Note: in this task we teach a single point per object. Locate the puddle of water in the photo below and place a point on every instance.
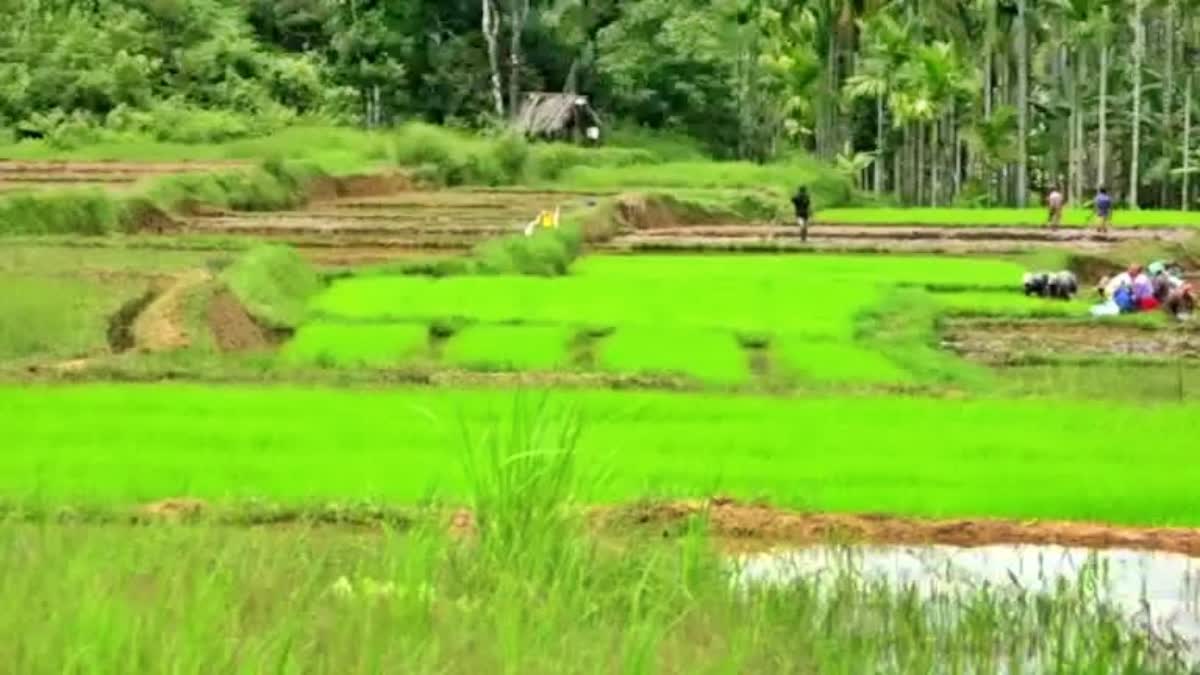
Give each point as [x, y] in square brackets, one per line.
[1160, 591]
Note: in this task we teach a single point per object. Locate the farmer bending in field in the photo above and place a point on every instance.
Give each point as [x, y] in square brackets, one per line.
[1055, 203]
[801, 203]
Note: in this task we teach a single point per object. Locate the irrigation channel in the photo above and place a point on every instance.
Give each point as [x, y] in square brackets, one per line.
[1156, 591]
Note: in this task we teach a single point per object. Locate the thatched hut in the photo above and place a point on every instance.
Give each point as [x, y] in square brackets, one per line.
[551, 115]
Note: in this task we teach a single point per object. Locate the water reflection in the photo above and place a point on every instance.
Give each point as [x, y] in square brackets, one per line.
[1159, 591]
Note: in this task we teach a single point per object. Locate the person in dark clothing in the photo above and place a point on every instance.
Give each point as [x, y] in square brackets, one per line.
[801, 203]
[1104, 208]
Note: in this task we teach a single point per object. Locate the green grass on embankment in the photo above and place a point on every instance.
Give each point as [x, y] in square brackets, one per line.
[111, 445]
[999, 217]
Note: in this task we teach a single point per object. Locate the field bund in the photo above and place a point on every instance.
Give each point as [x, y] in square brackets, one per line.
[118, 445]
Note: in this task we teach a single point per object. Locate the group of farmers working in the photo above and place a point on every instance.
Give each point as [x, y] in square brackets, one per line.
[1159, 285]
[1145, 289]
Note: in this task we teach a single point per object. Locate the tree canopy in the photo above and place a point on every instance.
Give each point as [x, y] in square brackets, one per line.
[975, 101]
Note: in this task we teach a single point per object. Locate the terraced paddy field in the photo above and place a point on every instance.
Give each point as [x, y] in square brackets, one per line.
[39, 175]
[834, 237]
[361, 230]
[740, 321]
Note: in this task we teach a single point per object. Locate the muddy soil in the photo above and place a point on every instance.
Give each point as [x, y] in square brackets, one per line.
[752, 526]
[293, 224]
[857, 238]
[44, 175]
[233, 329]
[740, 526]
[121, 336]
[357, 256]
[1009, 342]
[162, 325]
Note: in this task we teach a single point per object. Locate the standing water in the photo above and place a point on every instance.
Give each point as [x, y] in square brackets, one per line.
[1157, 591]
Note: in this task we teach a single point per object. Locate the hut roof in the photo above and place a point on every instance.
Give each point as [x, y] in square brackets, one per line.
[546, 113]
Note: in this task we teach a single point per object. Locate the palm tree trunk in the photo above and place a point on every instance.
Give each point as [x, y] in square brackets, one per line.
[491, 34]
[1072, 150]
[520, 13]
[1080, 151]
[897, 174]
[1187, 139]
[1022, 48]
[879, 140]
[1168, 98]
[920, 165]
[1102, 146]
[935, 157]
[956, 143]
[1139, 37]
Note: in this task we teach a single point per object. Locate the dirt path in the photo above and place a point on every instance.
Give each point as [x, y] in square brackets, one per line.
[162, 325]
[749, 526]
[1006, 342]
[736, 526]
[859, 238]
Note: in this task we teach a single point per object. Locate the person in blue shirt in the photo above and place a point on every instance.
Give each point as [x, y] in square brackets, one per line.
[1104, 207]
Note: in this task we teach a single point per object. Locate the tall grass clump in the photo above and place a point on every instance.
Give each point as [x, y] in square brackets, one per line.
[522, 476]
[547, 252]
[274, 185]
[274, 283]
[80, 211]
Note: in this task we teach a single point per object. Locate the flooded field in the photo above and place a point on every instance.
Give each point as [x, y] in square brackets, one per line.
[1155, 591]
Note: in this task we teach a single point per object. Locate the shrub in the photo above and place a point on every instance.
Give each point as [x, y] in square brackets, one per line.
[87, 212]
[550, 161]
[545, 253]
[274, 283]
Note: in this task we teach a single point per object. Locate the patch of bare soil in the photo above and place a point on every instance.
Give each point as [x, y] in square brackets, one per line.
[233, 329]
[1007, 342]
[355, 256]
[372, 185]
[457, 378]
[335, 224]
[736, 526]
[162, 325]
[932, 239]
[747, 526]
[174, 509]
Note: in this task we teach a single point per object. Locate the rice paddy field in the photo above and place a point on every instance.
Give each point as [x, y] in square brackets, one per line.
[380, 430]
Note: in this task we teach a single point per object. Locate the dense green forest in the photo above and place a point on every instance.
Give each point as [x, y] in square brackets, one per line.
[935, 102]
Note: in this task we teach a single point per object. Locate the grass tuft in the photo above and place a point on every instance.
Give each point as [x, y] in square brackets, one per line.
[274, 283]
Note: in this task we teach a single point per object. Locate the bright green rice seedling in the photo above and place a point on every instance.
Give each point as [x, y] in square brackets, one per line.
[707, 355]
[914, 456]
[835, 362]
[333, 344]
[1009, 304]
[507, 348]
[817, 301]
